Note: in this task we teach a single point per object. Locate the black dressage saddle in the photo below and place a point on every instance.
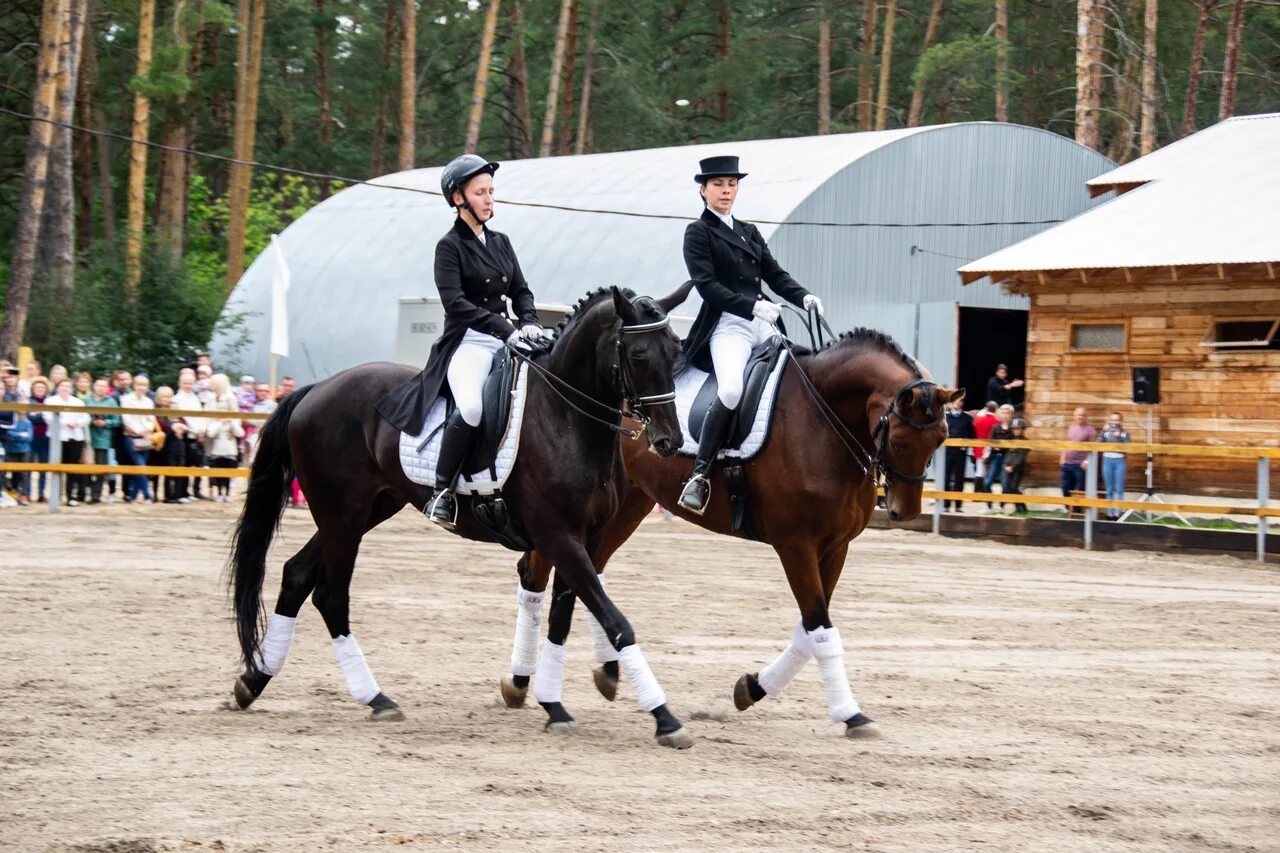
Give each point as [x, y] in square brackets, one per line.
[759, 366]
[497, 411]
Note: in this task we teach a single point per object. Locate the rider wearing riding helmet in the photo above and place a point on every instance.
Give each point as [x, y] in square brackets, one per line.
[476, 270]
[727, 259]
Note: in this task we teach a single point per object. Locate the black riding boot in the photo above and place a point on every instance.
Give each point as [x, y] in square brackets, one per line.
[714, 431]
[453, 449]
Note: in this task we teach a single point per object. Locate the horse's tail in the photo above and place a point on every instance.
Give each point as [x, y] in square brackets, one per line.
[269, 481]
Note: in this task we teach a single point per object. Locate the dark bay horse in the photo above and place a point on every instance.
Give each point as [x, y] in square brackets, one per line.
[566, 484]
[857, 411]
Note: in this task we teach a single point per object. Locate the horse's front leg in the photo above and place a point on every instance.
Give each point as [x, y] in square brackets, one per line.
[575, 569]
[812, 580]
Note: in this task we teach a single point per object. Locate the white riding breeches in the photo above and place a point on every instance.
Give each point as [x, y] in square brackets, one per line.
[731, 345]
[468, 368]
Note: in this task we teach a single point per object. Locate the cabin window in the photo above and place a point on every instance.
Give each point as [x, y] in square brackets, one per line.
[1098, 337]
[1244, 333]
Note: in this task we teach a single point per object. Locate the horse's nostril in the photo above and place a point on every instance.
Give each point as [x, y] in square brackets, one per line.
[893, 515]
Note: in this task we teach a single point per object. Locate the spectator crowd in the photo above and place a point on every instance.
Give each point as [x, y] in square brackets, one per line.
[131, 438]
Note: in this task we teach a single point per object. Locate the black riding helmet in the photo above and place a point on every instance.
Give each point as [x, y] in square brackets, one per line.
[460, 170]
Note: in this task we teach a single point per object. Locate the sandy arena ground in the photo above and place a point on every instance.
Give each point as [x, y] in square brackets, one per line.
[1032, 699]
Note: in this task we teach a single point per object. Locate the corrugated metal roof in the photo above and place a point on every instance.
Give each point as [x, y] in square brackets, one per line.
[1240, 143]
[1208, 199]
[355, 255]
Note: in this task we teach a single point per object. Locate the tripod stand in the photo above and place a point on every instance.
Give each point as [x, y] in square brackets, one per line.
[1150, 496]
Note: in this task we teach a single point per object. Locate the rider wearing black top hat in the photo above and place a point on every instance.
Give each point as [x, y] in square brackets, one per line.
[727, 260]
[475, 271]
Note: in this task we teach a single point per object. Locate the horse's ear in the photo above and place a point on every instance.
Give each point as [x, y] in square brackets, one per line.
[673, 300]
[955, 394]
[623, 308]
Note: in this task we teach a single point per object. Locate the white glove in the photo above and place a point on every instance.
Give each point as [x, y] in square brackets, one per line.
[812, 301]
[531, 332]
[766, 310]
[516, 339]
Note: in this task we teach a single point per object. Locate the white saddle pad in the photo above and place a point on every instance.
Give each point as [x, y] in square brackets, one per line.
[690, 382]
[420, 465]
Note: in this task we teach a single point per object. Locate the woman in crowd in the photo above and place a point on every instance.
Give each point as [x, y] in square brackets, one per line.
[102, 429]
[39, 435]
[73, 428]
[222, 435]
[136, 443]
[1113, 462]
[83, 385]
[57, 373]
[171, 450]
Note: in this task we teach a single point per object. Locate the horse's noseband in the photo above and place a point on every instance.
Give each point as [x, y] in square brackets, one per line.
[636, 402]
[880, 436]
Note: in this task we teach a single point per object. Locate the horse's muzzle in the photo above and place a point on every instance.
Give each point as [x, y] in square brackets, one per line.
[665, 446]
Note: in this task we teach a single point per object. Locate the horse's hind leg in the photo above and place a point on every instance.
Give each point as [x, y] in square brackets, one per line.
[300, 574]
[534, 572]
[332, 597]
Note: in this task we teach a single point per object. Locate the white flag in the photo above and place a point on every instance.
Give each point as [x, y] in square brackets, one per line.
[279, 311]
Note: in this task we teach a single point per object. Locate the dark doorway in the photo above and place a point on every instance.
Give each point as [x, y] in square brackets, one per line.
[990, 336]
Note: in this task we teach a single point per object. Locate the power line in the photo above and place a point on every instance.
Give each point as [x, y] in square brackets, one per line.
[288, 170]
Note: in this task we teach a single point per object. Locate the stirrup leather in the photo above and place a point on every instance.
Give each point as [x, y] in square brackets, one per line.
[696, 494]
[444, 509]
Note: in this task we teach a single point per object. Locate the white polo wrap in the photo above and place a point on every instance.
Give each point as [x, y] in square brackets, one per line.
[355, 670]
[524, 651]
[648, 692]
[829, 651]
[275, 645]
[549, 680]
[775, 677]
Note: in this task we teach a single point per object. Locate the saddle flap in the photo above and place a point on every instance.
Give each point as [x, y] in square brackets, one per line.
[497, 411]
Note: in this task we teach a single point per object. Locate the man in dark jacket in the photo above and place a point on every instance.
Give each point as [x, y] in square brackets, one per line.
[959, 425]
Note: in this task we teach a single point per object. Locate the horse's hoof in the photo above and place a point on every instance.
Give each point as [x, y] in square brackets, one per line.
[605, 683]
[244, 695]
[679, 739]
[386, 715]
[512, 696]
[742, 692]
[861, 726]
[562, 727]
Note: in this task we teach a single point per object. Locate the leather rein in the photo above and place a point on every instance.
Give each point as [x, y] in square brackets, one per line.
[610, 416]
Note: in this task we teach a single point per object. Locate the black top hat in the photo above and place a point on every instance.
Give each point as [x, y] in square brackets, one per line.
[718, 167]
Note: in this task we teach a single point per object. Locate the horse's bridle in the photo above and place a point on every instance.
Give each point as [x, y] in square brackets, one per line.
[635, 402]
[880, 435]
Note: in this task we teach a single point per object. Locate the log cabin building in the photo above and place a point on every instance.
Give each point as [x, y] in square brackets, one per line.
[1180, 271]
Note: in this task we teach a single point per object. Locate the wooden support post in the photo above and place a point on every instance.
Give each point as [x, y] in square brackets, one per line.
[1128, 275]
[1264, 494]
[1090, 492]
[1040, 277]
[1271, 271]
[1173, 271]
[55, 458]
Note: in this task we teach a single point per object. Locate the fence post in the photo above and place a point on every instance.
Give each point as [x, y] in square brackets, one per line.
[55, 458]
[1090, 491]
[1264, 494]
[940, 483]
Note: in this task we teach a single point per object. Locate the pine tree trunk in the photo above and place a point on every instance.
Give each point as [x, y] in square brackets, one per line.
[82, 142]
[1088, 72]
[1147, 138]
[482, 76]
[568, 88]
[588, 66]
[1128, 102]
[519, 121]
[824, 68]
[1002, 60]
[724, 42]
[553, 86]
[138, 151]
[378, 164]
[253, 13]
[886, 62]
[867, 52]
[408, 82]
[53, 24]
[1230, 76]
[221, 119]
[930, 33]
[1193, 75]
[58, 233]
[324, 37]
[173, 177]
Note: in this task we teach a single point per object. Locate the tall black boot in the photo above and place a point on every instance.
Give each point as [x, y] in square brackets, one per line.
[714, 430]
[453, 450]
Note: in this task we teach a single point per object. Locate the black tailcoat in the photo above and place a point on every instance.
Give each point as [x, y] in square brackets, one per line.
[727, 266]
[472, 278]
